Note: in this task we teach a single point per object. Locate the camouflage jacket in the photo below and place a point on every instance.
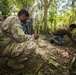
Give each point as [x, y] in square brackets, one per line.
[14, 37]
[12, 25]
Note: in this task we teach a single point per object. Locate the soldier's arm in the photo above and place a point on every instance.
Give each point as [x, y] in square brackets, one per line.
[18, 36]
[71, 37]
[6, 25]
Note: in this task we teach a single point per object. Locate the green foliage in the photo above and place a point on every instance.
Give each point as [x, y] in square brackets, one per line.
[51, 64]
[4, 7]
[58, 12]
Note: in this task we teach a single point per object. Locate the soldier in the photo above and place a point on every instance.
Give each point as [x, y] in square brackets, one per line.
[3, 18]
[15, 43]
[27, 27]
[58, 35]
[0, 22]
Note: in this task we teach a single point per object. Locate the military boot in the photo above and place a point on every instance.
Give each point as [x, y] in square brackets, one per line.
[15, 65]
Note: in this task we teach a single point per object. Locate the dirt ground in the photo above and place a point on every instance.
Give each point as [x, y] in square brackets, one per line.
[53, 60]
[71, 49]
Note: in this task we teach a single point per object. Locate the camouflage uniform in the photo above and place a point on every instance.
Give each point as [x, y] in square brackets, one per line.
[14, 42]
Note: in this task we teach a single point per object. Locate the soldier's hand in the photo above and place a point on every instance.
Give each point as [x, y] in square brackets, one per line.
[36, 36]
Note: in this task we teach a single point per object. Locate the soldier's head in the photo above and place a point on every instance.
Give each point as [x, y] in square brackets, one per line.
[23, 15]
[72, 26]
[3, 18]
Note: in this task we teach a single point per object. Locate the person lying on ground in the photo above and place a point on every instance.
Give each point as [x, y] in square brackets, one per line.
[58, 35]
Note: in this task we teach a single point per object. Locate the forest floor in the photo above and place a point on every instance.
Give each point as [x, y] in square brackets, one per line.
[54, 60]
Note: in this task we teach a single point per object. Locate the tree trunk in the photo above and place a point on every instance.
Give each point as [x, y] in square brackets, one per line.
[45, 15]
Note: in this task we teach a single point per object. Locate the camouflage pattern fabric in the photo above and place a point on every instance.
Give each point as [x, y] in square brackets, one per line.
[14, 40]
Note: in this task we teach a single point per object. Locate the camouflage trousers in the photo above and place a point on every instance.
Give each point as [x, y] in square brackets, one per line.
[18, 51]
